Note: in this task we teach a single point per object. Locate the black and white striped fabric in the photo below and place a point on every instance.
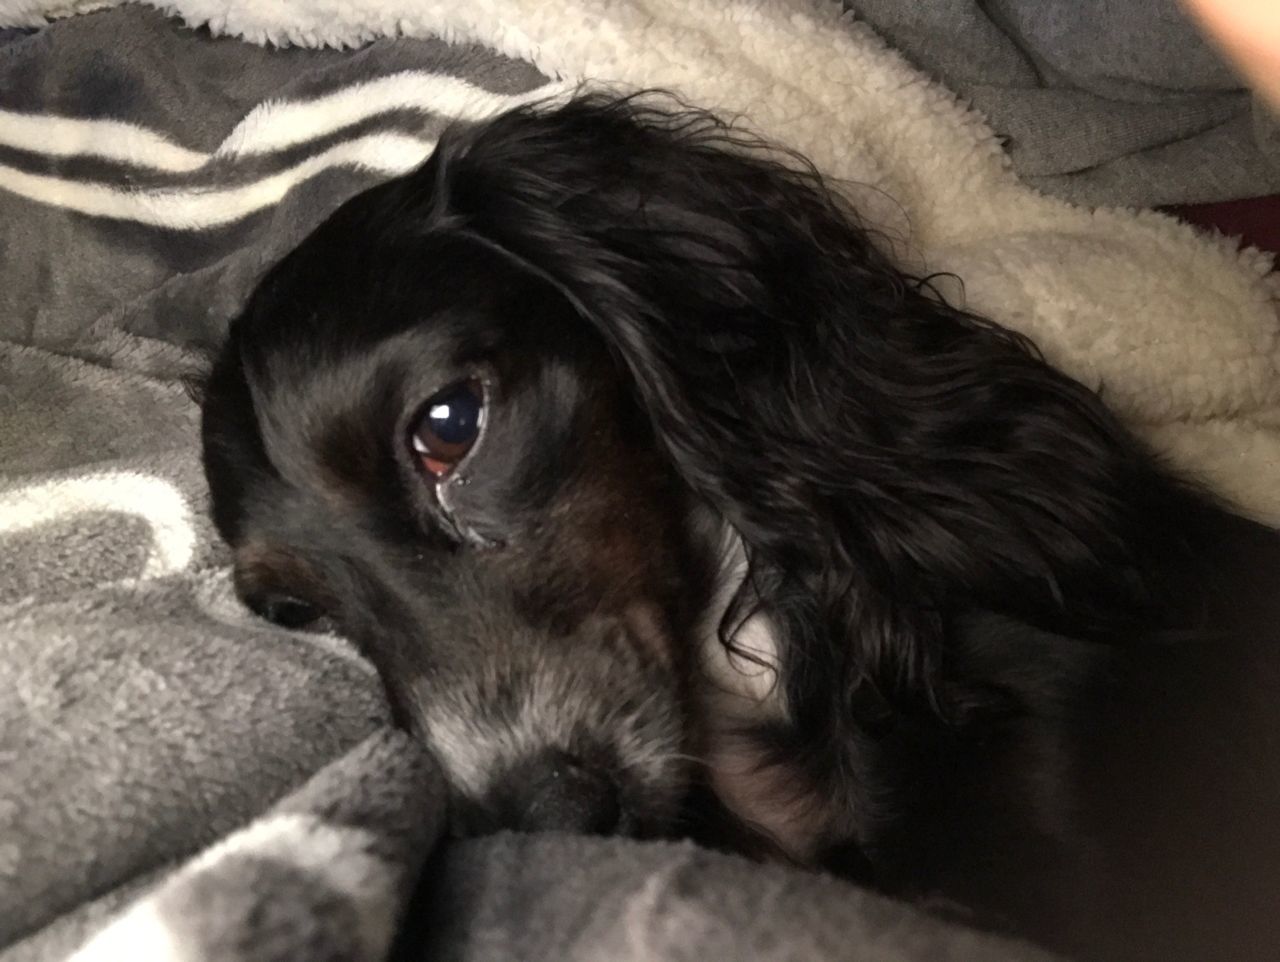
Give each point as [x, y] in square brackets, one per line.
[200, 158]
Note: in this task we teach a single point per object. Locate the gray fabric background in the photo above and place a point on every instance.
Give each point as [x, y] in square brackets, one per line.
[1101, 102]
[503, 900]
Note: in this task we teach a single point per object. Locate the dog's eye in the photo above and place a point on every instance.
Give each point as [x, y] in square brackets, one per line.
[449, 425]
[289, 612]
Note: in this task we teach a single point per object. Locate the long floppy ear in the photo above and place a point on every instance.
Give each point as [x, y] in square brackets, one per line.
[887, 459]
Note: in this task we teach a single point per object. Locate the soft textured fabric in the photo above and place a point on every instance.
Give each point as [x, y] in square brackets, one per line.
[150, 173]
[1119, 102]
[323, 875]
[512, 898]
[143, 712]
[1110, 102]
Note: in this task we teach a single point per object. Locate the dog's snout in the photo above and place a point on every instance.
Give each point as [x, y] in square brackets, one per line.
[579, 733]
[563, 794]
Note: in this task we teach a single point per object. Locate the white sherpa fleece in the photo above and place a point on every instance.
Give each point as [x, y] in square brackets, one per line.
[1181, 329]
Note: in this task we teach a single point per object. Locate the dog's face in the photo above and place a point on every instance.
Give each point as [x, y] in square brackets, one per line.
[419, 441]
[492, 419]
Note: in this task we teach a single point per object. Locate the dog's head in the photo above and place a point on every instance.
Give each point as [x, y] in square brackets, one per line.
[413, 437]
[481, 417]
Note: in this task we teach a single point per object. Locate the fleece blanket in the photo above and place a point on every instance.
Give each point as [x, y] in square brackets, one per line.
[149, 172]
[1119, 102]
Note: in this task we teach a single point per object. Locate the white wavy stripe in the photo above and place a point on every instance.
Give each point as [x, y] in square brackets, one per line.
[197, 209]
[271, 126]
[157, 501]
[275, 125]
[109, 139]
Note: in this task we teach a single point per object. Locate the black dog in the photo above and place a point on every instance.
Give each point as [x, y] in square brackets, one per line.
[636, 467]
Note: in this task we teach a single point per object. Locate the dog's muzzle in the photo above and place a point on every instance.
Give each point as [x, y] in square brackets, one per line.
[581, 733]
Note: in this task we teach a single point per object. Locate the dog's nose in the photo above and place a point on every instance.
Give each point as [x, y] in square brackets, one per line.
[563, 795]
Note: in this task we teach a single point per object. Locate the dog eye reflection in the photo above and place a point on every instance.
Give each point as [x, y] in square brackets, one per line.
[449, 426]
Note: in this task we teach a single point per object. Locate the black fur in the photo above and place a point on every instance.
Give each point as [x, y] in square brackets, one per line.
[958, 546]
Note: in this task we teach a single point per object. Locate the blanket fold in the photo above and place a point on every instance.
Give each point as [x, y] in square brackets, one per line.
[346, 848]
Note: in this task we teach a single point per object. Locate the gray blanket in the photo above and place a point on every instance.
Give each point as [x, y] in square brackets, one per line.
[144, 715]
[1097, 101]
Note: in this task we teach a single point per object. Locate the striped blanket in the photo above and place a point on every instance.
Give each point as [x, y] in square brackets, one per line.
[181, 781]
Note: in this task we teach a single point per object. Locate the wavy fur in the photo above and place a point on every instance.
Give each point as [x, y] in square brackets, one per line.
[888, 459]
